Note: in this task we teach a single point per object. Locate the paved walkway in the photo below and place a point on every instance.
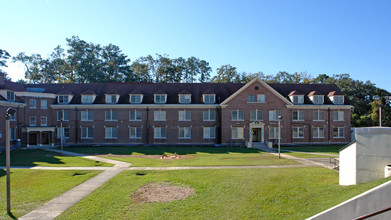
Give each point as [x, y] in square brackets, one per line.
[56, 206]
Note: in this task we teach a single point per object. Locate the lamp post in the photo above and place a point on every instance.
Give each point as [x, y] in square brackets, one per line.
[279, 135]
[377, 98]
[10, 112]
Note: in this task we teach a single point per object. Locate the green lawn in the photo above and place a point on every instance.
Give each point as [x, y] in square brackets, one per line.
[305, 155]
[286, 193]
[194, 156]
[36, 157]
[32, 188]
[326, 149]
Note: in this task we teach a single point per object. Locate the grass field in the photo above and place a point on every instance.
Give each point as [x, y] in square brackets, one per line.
[327, 149]
[305, 155]
[193, 156]
[36, 157]
[32, 188]
[283, 193]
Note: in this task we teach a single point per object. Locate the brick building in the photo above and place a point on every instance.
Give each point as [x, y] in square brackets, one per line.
[174, 113]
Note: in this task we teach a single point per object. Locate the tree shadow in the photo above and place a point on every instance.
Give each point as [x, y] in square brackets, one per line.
[30, 157]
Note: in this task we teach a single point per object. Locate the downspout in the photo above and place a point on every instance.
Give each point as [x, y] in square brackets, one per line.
[76, 126]
[147, 125]
[329, 123]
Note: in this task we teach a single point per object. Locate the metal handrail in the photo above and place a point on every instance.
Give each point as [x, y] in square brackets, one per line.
[373, 213]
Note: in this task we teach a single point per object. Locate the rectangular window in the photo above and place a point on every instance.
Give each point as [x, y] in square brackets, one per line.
[298, 132]
[65, 132]
[318, 132]
[160, 99]
[256, 115]
[338, 100]
[184, 99]
[338, 116]
[62, 115]
[111, 132]
[237, 115]
[111, 99]
[273, 132]
[260, 98]
[33, 120]
[298, 99]
[135, 132]
[184, 115]
[86, 133]
[12, 133]
[63, 99]
[298, 115]
[209, 99]
[86, 99]
[318, 115]
[135, 99]
[339, 132]
[135, 115]
[273, 115]
[10, 96]
[33, 103]
[209, 115]
[159, 115]
[111, 115]
[87, 115]
[160, 132]
[44, 104]
[184, 132]
[209, 132]
[318, 99]
[44, 121]
[237, 132]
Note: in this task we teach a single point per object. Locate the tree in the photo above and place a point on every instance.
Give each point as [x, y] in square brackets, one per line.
[4, 56]
[226, 74]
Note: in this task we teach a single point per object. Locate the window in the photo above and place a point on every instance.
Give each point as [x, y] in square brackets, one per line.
[339, 132]
[184, 132]
[63, 99]
[209, 115]
[160, 99]
[62, 115]
[273, 133]
[87, 115]
[184, 115]
[136, 99]
[260, 98]
[338, 116]
[237, 115]
[159, 132]
[111, 115]
[65, 132]
[135, 115]
[110, 132]
[44, 104]
[298, 99]
[12, 133]
[297, 115]
[135, 132]
[318, 115]
[159, 115]
[86, 99]
[338, 100]
[209, 99]
[33, 103]
[256, 115]
[10, 96]
[33, 120]
[111, 99]
[86, 133]
[273, 115]
[318, 99]
[44, 121]
[209, 132]
[237, 133]
[298, 132]
[318, 132]
[185, 99]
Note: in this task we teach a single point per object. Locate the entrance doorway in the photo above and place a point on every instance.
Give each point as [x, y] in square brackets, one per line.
[257, 134]
[45, 138]
[33, 138]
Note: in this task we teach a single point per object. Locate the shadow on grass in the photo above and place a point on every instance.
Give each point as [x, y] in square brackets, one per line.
[159, 150]
[29, 157]
[316, 148]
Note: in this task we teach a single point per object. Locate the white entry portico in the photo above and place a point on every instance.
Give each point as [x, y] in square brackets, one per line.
[256, 133]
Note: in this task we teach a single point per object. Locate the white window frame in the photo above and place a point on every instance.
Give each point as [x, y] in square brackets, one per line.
[339, 131]
[209, 132]
[273, 132]
[184, 115]
[133, 99]
[338, 99]
[137, 131]
[273, 115]
[87, 115]
[297, 115]
[10, 96]
[87, 99]
[44, 106]
[298, 132]
[157, 133]
[111, 114]
[137, 115]
[88, 131]
[62, 112]
[45, 119]
[318, 132]
[184, 132]
[65, 132]
[258, 115]
[338, 116]
[318, 99]
[209, 115]
[110, 134]
[237, 133]
[34, 118]
[159, 115]
[209, 98]
[256, 98]
[160, 98]
[184, 98]
[235, 115]
[317, 115]
[33, 103]
[63, 99]
[109, 99]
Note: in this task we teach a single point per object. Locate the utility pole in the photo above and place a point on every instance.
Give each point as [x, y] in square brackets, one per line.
[10, 111]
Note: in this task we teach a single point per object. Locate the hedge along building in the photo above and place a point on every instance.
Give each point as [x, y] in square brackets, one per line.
[175, 113]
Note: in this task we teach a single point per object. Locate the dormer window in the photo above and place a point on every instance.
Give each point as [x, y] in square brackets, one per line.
[111, 99]
[63, 99]
[87, 99]
[136, 99]
[318, 99]
[184, 99]
[10, 96]
[297, 99]
[160, 98]
[209, 98]
[338, 99]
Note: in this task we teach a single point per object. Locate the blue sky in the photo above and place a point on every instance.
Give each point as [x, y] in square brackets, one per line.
[314, 36]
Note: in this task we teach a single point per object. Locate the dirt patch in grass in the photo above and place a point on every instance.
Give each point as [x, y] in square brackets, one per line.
[161, 192]
[179, 157]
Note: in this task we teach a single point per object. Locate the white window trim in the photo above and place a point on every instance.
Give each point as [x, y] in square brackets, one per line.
[136, 137]
[184, 132]
[63, 114]
[154, 133]
[300, 99]
[35, 124]
[274, 112]
[208, 112]
[63, 103]
[212, 95]
[338, 132]
[111, 133]
[31, 106]
[111, 115]
[298, 115]
[184, 97]
[317, 96]
[338, 116]
[81, 132]
[208, 129]
[318, 113]
[237, 113]
[108, 98]
[40, 121]
[298, 133]
[256, 114]
[165, 98]
[42, 106]
[85, 96]
[160, 115]
[135, 114]
[237, 138]
[81, 115]
[141, 98]
[184, 115]
[318, 137]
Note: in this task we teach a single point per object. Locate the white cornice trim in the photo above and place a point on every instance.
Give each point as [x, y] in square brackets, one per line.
[319, 106]
[134, 106]
[36, 94]
[12, 104]
[263, 84]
